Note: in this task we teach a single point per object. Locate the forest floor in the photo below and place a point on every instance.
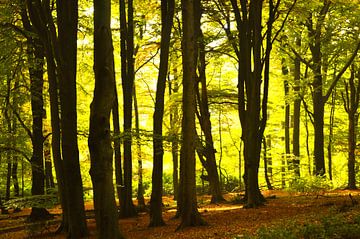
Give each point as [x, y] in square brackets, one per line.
[225, 220]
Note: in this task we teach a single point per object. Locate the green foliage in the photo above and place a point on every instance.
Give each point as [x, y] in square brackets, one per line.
[42, 201]
[329, 227]
[310, 184]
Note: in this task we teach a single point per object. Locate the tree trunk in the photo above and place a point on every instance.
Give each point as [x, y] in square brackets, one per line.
[189, 213]
[351, 99]
[285, 159]
[265, 157]
[101, 152]
[36, 51]
[204, 115]
[331, 134]
[49, 179]
[117, 149]
[296, 113]
[67, 19]
[167, 14]
[140, 189]
[127, 209]
[174, 121]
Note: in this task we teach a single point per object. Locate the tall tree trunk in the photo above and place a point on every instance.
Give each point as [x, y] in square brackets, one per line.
[117, 149]
[204, 114]
[36, 52]
[265, 158]
[167, 14]
[296, 113]
[285, 159]
[331, 134]
[189, 213]
[67, 19]
[174, 121]
[127, 209]
[49, 179]
[351, 99]
[101, 152]
[140, 190]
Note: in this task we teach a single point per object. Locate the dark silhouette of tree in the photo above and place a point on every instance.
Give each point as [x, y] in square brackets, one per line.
[351, 99]
[167, 15]
[101, 152]
[127, 208]
[188, 211]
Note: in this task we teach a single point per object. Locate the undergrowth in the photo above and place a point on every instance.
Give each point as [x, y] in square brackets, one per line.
[333, 226]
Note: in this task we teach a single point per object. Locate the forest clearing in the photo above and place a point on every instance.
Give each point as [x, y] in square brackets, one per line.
[227, 220]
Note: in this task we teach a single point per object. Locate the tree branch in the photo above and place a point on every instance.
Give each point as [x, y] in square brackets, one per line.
[348, 63]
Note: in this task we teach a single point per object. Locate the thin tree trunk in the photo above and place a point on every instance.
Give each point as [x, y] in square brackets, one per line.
[174, 120]
[140, 189]
[296, 110]
[117, 149]
[265, 158]
[167, 14]
[203, 115]
[331, 134]
[127, 209]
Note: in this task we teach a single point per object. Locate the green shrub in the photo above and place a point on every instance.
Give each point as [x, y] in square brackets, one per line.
[311, 184]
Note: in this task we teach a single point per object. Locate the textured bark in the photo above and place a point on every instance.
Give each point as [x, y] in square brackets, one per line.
[167, 14]
[101, 152]
[190, 216]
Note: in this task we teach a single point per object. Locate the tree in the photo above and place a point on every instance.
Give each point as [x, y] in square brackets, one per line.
[101, 152]
[60, 50]
[35, 53]
[351, 99]
[321, 44]
[205, 150]
[167, 15]
[127, 208]
[67, 21]
[190, 216]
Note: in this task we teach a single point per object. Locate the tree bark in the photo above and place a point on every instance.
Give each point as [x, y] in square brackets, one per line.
[167, 14]
[101, 152]
[189, 213]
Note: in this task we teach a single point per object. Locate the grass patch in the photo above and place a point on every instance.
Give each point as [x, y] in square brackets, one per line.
[332, 226]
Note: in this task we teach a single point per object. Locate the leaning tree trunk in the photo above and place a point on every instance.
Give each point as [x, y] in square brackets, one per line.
[101, 152]
[203, 115]
[167, 14]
